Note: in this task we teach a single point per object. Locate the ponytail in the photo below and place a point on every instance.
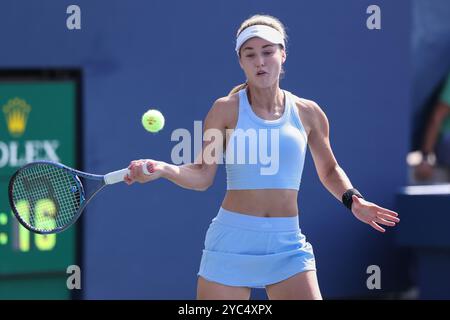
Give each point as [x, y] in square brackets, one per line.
[238, 88]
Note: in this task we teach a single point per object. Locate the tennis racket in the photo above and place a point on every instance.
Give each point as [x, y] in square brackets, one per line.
[48, 197]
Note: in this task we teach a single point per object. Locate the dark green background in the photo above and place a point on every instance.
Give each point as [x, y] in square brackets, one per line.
[38, 274]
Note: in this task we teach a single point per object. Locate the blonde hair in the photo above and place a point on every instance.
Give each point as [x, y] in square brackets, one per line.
[259, 19]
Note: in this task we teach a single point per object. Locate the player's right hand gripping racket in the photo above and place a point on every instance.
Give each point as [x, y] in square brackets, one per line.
[48, 197]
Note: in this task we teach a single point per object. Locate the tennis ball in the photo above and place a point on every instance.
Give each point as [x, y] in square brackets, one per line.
[153, 120]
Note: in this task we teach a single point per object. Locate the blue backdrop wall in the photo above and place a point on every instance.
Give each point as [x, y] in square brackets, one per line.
[145, 241]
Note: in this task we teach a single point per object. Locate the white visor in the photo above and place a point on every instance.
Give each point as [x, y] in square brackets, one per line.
[261, 31]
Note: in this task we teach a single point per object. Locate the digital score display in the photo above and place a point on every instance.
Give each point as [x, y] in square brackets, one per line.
[38, 121]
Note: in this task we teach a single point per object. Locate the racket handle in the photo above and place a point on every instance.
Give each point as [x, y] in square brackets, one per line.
[119, 175]
[116, 176]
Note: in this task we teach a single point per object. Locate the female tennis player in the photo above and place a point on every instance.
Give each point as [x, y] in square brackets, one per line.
[255, 240]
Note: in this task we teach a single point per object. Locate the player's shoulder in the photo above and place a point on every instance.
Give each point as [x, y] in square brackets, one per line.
[227, 101]
[305, 104]
[224, 110]
[226, 106]
[308, 108]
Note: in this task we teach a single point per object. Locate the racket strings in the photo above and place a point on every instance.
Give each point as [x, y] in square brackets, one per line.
[46, 197]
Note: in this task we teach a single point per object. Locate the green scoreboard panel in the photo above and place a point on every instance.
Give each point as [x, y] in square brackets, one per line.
[38, 121]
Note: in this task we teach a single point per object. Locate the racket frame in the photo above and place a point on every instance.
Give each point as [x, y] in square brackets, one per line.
[83, 200]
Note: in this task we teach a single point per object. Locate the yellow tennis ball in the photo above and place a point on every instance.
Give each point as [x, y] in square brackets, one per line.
[153, 120]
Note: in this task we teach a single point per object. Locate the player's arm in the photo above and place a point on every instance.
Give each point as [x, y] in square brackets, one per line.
[196, 176]
[334, 178]
[330, 173]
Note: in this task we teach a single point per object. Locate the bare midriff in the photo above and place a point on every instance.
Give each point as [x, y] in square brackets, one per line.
[262, 202]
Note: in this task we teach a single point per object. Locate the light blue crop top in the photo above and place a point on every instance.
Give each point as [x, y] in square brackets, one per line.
[266, 154]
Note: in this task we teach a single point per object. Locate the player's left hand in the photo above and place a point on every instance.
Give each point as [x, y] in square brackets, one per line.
[373, 214]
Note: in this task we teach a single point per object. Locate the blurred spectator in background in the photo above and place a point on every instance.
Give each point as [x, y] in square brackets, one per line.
[435, 149]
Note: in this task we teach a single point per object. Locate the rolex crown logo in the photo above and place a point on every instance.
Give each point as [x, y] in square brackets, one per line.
[16, 112]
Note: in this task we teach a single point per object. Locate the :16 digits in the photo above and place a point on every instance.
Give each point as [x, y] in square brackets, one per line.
[43, 242]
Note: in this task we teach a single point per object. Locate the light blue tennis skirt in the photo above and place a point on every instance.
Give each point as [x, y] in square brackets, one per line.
[249, 251]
